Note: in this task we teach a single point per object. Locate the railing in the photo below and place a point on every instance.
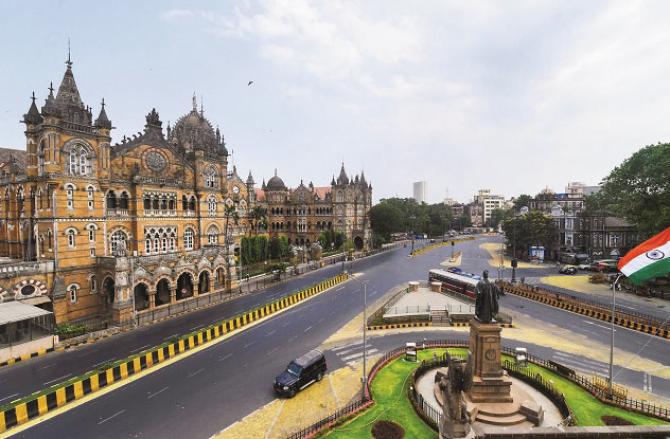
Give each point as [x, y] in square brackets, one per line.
[12, 268]
[110, 211]
[542, 293]
[432, 415]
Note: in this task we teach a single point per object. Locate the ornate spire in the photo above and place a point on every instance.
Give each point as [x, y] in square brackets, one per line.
[332, 183]
[342, 179]
[33, 116]
[263, 185]
[195, 103]
[362, 177]
[202, 106]
[250, 179]
[103, 121]
[68, 62]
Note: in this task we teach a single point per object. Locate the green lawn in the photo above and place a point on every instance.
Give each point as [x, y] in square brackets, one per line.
[586, 408]
[389, 390]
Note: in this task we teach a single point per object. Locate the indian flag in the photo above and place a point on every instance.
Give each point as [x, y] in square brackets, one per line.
[648, 260]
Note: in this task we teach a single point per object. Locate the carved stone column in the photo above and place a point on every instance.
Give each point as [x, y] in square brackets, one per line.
[490, 382]
[122, 309]
[173, 295]
[152, 299]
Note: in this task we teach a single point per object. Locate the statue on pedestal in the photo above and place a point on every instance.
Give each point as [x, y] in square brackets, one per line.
[455, 422]
[486, 303]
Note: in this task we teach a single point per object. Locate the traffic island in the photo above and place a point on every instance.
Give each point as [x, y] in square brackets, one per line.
[396, 396]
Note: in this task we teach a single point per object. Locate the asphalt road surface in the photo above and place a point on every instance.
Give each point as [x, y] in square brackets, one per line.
[202, 394]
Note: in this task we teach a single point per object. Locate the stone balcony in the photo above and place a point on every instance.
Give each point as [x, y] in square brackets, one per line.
[13, 267]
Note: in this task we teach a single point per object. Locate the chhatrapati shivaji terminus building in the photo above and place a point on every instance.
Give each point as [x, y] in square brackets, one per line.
[101, 232]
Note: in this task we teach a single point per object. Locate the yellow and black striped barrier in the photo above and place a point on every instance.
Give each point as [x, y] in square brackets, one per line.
[550, 298]
[423, 324]
[39, 403]
[438, 245]
[25, 357]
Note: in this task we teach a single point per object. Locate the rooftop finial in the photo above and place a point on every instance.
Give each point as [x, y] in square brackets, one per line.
[69, 61]
[33, 96]
[51, 88]
[103, 103]
[202, 106]
[195, 103]
[275, 172]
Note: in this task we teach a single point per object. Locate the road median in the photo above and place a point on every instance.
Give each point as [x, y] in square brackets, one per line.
[40, 403]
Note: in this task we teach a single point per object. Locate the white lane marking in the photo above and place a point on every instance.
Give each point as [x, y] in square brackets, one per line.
[629, 307]
[103, 361]
[571, 357]
[586, 368]
[346, 346]
[272, 351]
[308, 328]
[91, 351]
[159, 392]
[225, 357]
[339, 289]
[286, 324]
[170, 336]
[112, 417]
[46, 367]
[140, 348]
[320, 320]
[249, 344]
[352, 356]
[270, 333]
[197, 327]
[57, 379]
[10, 396]
[192, 374]
[600, 326]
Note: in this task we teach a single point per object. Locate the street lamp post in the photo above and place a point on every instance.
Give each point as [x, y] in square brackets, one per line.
[412, 218]
[611, 380]
[365, 345]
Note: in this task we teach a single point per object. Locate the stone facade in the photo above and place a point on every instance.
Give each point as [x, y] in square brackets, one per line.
[98, 231]
[303, 213]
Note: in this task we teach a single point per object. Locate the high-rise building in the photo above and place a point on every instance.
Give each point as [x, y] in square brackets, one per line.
[420, 191]
[484, 204]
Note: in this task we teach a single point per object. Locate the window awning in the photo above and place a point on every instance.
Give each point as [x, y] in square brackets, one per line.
[16, 311]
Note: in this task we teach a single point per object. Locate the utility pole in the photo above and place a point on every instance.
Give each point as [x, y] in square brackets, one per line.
[611, 381]
[365, 350]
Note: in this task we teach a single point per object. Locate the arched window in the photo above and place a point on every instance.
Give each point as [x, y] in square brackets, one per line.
[91, 234]
[173, 241]
[93, 284]
[72, 291]
[124, 201]
[69, 193]
[212, 235]
[189, 236]
[147, 202]
[115, 239]
[70, 237]
[89, 194]
[111, 200]
[211, 204]
[184, 203]
[79, 162]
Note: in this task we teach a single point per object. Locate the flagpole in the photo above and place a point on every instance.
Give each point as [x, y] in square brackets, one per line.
[614, 284]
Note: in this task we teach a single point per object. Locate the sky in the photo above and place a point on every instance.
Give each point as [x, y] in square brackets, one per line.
[512, 96]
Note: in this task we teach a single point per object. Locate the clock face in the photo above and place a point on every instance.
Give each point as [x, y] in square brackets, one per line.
[155, 161]
[236, 190]
[490, 354]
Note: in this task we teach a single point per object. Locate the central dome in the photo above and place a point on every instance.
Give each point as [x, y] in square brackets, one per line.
[276, 183]
[193, 131]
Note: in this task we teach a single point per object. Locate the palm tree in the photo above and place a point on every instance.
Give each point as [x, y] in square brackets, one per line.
[258, 219]
[229, 212]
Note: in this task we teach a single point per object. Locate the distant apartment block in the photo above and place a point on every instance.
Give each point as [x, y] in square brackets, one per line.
[420, 191]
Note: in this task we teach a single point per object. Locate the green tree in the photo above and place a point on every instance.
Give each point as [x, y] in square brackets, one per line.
[339, 240]
[638, 190]
[498, 215]
[533, 228]
[257, 219]
[521, 201]
[385, 219]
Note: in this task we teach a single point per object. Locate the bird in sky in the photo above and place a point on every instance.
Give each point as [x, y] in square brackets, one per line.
[250, 82]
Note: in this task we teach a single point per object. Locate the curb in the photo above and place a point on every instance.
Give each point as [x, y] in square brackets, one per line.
[438, 245]
[25, 357]
[41, 402]
[587, 310]
[425, 324]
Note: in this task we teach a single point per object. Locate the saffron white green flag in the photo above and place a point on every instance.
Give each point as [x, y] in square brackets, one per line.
[648, 260]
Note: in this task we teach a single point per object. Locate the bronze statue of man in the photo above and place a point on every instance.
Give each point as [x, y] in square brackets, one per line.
[486, 303]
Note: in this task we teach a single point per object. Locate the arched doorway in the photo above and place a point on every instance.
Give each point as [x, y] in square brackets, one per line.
[184, 286]
[203, 282]
[162, 292]
[108, 290]
[358, 242]
[141, 292]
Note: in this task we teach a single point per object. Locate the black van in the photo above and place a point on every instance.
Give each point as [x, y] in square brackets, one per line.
[300, 373]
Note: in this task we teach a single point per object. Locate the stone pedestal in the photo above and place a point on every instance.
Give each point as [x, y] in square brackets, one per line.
[490, 383]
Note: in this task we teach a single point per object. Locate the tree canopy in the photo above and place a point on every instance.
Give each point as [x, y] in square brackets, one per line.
[533, 228]
[401, 215]
[639, 190]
